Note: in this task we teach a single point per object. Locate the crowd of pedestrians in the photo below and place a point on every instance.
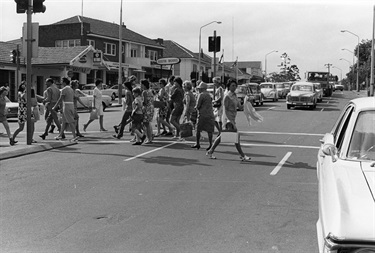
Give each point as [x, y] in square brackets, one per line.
[176, 102]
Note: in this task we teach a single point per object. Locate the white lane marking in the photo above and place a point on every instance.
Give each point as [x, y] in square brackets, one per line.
[281, 163]
[274, 146]
[250, 132]
[271, 108]
[148, 152]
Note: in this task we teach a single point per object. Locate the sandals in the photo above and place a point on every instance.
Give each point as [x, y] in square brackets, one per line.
[210, 155]
[245, 158]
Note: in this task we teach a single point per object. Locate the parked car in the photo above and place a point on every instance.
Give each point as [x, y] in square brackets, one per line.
[256, 93]
[281, 92]
[111, 92]
[242, 91]
[11, 108]
[88, 100]
[338, 86]
[269, 91]
[319, 92]
[346, 181]
[302, 94]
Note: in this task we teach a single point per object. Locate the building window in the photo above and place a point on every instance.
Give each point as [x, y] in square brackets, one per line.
[67, 43]
[109, 49]
[133, 52]
[153, 55]
[91, 43]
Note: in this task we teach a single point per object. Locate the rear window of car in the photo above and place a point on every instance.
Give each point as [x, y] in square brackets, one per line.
[302, 87]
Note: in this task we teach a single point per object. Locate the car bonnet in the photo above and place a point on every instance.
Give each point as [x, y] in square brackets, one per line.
[355, 215]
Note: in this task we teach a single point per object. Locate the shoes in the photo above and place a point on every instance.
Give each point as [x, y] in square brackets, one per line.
[175, 137]
[11, 141]
[43, 136]
[245, 158]
[63, 136]
[80, 135]
[210, 155]
[143, 138]
[133, 140]
[148, 142]
[137, 143]
[116, 129]
[169, 134]
[164, 133]
[33, 141]
[52, 128]
[58, 138]
[197, 146]
[84, 127]
[209, 147]
[103, 130]
[180, 139]
[116, 136]
[75, 140]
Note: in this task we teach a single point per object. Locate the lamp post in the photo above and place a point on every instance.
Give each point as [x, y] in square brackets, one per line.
[340, 72]
[342, 59]
[265, 63]
[357, 56]
[353, 59]
[199, 53]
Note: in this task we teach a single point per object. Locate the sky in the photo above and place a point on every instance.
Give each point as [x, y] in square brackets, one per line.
[309, 32]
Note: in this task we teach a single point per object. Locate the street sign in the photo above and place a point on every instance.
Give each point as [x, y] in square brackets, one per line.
[97, 57]
[168, 61]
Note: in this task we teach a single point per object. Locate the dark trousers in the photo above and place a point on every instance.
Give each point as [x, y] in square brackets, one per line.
[124, 121]
[52, 117]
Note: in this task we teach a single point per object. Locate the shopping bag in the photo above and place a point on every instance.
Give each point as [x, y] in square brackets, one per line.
[159, 104]
[229, 137]
[186, 130]
[35, 113]
[94, 114]
[41, 108]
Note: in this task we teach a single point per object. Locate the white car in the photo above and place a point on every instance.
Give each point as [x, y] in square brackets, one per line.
[346, 175]
[87, 100]
[113, 93]
[302, 94]
[269, 91]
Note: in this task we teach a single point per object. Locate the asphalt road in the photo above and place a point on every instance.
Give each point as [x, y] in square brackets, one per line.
[105, 195]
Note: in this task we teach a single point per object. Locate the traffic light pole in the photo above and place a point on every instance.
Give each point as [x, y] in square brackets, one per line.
[29, 135]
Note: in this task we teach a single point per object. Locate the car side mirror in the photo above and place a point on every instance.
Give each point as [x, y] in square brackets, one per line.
[330, 150]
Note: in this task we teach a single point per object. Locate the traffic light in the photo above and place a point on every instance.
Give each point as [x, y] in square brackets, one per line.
[22, 5]
[38, 6]
[212, 45]
[14, 56]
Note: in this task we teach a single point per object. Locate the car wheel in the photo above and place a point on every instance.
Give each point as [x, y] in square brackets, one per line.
[104, 106]
[288, 107]
[113, 96]
[257, 103]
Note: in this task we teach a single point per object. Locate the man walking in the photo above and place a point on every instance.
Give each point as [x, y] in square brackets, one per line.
[53, 95]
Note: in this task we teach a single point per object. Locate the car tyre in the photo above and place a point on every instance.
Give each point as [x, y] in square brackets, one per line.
[288, 106]
[104, 106]
[113, 96]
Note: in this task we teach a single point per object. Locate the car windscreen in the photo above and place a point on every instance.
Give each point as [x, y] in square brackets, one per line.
[240, 89]
[362, 144]
[267, 86]
[280, 86]
[302, 87]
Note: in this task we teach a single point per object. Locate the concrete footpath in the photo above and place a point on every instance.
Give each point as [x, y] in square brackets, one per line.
[21, 148]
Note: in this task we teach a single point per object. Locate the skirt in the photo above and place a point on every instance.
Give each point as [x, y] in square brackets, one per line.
[205, 124]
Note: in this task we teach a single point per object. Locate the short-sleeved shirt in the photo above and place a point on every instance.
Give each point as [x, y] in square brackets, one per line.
[98, 98]
[128, 101]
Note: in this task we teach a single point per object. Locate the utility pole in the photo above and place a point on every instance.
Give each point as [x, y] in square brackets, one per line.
[328, 65]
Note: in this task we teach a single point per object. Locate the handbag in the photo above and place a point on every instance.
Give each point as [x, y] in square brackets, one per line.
[229, 135]
[186, 130]
[94, 114]
[216, 104]
[159, 104]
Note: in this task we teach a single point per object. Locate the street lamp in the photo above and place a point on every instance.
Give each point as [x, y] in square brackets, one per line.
[199, 54]
[353, 59]
[340, 72]
[265, 62]
[357, 55]
[342, 59]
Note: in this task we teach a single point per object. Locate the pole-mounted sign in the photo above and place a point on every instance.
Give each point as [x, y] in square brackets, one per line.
[168, 61]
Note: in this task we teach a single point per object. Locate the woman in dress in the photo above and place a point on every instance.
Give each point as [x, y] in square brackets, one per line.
[137, 116]
[97, 104]
[22, 112]
[76, 100]
[3, 116]
[163, 111]
[218, 104]
[189, 100]
[177, 97]
[205, 119]
[148, 109]
[230, 112]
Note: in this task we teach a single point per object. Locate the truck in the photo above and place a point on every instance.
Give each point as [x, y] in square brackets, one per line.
[323, 78]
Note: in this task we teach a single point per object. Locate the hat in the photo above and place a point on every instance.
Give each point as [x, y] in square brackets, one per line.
[202, 85]
[132, 78]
